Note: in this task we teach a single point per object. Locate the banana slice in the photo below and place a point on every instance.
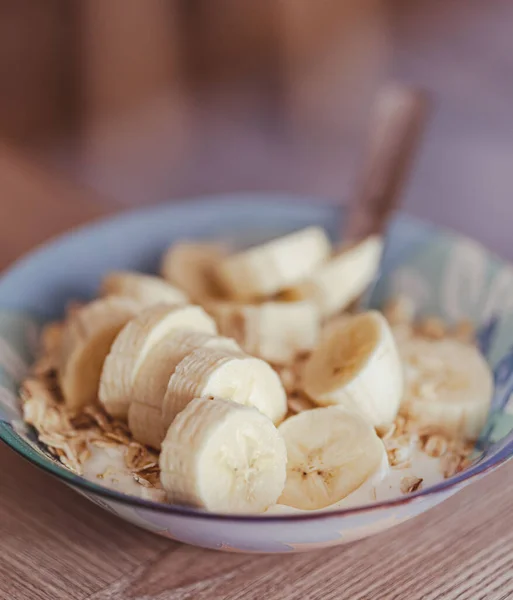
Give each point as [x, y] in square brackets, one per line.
[224, 457]
[133, 344]
[357, 365]
[145, 412]
[146, 289]
[274, 331]
[190, 267]
[331, 452]
[449, 386]
[85, 342]
[231, 375]
[267, 269]
[342, 279]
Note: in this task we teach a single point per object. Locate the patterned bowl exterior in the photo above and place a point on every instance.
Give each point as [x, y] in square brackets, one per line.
[446, 274]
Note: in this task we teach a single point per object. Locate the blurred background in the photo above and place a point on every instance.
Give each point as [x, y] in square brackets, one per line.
[146, 100]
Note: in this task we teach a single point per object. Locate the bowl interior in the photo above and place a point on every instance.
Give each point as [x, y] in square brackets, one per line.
[446, 274]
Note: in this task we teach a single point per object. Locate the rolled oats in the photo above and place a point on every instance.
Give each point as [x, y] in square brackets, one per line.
[410, 484]
[147, 467]
[100, 417]
[133, 455]
[104, 443]
[142, 480]
[385, 432]
[464, 331]
[400, 424]
[72, 465]
[432, 328]
[450, 464]
[54, 440]
[82, 421]
[69, 437]
[119, 437]
[435, 446]
[400, 310]
[399, 456]
[84, 455]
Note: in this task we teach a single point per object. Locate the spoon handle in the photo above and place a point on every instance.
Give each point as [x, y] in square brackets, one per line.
[398, 120]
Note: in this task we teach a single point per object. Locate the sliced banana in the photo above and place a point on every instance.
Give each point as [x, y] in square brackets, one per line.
[267, 269]
[145, 424]
[274, 331]
[85, 342]
[133, 344]
[146, 289]
[224, 457]
[225, 374]
[150, 384]
[357, 365]
[342, 279]
[189, 265]
[330, 453]
[449, 386]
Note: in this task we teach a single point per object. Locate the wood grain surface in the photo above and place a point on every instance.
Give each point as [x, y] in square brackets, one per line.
[56, 545]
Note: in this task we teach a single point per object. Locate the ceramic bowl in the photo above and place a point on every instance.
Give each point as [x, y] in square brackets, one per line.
[446, 274]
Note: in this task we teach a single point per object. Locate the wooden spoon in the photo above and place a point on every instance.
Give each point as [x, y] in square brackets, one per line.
[398, 120]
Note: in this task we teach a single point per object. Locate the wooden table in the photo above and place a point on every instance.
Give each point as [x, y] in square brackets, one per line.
[55, 545]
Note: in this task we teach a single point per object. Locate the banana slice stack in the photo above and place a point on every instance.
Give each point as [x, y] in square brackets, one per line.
[150, 384]
[133, 344]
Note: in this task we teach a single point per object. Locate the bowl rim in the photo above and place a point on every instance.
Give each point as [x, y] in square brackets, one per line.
[262, 201]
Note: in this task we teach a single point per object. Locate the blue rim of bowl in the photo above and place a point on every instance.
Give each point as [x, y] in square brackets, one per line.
[475, 471]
